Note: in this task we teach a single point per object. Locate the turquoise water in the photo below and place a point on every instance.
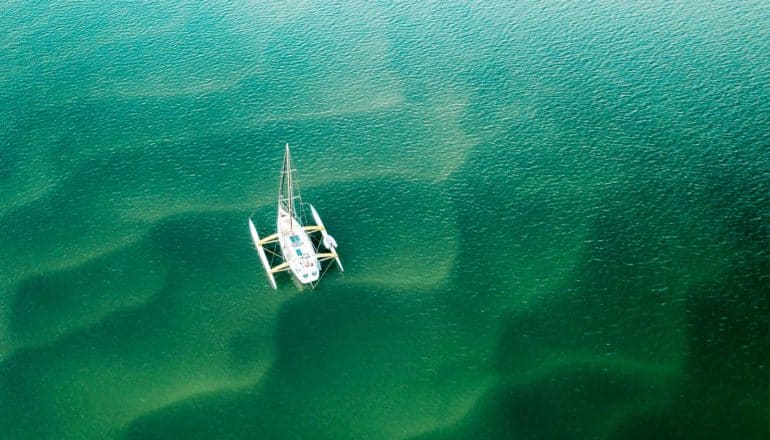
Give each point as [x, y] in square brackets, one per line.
[554, 219]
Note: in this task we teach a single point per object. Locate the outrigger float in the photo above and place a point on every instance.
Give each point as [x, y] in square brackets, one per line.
[297, 247]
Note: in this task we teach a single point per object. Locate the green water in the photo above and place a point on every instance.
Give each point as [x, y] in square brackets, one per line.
[554, 219]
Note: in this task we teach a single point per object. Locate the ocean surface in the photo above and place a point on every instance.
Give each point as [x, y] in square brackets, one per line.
[554, 218]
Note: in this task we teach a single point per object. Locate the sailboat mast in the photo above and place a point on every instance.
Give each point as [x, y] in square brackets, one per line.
[289, 187]
[286, 187]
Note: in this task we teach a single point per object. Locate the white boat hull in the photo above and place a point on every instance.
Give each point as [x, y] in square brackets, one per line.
[261, 252]
[326, 239]
[297, 248]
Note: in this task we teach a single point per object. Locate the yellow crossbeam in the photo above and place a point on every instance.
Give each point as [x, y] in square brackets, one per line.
[281, 267]
[269, 239]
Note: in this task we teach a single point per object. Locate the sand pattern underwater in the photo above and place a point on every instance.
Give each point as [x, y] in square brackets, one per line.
[554, 219]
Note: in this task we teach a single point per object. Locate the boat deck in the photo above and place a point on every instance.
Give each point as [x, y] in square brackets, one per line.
[297, 248]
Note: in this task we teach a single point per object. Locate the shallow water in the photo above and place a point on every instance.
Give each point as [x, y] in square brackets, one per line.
[554, 219]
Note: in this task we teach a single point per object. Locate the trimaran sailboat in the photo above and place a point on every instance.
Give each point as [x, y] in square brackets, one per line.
[296, 246]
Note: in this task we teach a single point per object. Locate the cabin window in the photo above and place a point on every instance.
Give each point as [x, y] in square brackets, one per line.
[299, 252]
